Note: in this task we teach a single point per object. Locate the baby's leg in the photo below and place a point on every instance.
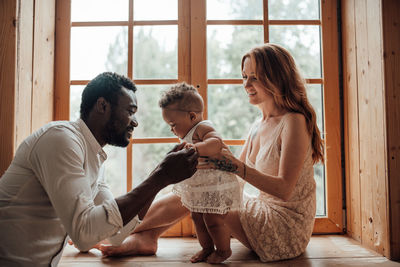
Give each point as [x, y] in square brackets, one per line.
[220, 234]
[204, 238]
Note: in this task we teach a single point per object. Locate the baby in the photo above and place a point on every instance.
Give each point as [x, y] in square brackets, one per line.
[208, 194]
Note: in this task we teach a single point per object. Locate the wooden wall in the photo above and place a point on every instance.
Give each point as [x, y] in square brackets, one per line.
[26, 71]
[371, 82]
[391, 49]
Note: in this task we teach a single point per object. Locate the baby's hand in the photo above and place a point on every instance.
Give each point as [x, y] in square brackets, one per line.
[188, 145]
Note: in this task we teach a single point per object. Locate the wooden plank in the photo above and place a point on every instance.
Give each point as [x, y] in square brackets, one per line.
[391, 46]
[199, 48]
[8, 66]
[330, 66]
[24, 74]
[351, 134]
[372, 124]
[327, 250]
[43, 63]
[62, 60]
[325, 226]
[377, 163]
[364, 123]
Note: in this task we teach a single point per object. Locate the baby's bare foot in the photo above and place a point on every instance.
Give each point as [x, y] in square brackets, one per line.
[201, 255]
[219, 256]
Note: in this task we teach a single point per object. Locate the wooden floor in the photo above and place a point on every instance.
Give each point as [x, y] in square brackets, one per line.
[330, 250]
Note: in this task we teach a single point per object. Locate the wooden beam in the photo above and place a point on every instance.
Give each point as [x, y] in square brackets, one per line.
[24, 74]
[351, 133]
[43, 63]
[62, 60]
[8, 66]
[330, 67]
[199, 49]
[391, 56]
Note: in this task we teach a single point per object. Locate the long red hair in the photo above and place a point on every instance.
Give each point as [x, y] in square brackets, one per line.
[276, 70]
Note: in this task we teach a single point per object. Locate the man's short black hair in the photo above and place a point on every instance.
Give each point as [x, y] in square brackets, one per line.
[107, 85]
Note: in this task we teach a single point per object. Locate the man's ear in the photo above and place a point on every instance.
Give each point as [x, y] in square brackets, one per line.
[193, 115]
[101, 105]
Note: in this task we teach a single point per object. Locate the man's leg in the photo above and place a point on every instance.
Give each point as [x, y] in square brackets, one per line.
[162, 214]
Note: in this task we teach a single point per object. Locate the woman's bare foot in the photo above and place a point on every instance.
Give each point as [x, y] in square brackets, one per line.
[219, 256]
[136, 244]
[202, 255]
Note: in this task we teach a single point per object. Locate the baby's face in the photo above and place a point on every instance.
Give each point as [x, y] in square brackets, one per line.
[179, 121]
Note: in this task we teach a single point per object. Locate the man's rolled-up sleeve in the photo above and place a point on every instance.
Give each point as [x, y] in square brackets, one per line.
[57, 160]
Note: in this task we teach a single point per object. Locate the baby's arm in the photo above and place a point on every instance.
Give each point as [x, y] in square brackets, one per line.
[208, 142]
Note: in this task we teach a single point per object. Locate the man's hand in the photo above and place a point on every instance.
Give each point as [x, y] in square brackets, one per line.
[178, 165]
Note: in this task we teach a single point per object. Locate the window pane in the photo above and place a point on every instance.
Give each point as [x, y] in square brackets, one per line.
[234, 9]
[99, 10]
[115, 169]
[319, 176]
[155, 10]
[155, 52]
[225, 47]
[293, 9]
[151, 123]
[75, 95]
[303, 42]
[233, 118]
[314, 94]
[98, 49]
[145, 158]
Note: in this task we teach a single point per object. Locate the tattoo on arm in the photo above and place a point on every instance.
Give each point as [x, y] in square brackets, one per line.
[224, 164]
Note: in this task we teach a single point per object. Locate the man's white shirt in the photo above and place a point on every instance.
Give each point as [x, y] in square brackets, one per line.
[54, 186]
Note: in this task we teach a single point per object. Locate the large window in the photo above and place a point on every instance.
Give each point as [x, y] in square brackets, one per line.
[161, 42]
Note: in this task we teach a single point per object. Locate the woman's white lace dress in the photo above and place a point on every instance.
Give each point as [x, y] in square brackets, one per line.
[208, 191]
[278, 229]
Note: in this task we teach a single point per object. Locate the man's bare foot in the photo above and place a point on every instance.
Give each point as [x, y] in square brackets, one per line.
[202, 255]
[136, 244]
[219, 256]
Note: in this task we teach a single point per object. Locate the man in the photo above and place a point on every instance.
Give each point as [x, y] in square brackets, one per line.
[54, 185]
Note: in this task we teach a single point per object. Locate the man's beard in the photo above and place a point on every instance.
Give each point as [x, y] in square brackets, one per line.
[115, 132]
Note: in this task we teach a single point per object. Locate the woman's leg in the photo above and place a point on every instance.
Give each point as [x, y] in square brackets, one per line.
[162, 214]
[232, 220]
[221, 236]
[204, 238]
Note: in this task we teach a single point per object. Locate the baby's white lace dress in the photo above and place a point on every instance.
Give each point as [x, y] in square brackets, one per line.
[208, 191]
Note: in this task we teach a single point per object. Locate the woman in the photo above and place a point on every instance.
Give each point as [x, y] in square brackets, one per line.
[277, 158]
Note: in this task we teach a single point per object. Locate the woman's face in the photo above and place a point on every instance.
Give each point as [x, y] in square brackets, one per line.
[256, 92]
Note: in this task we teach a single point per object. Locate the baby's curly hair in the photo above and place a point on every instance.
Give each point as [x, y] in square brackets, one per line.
[184, 95]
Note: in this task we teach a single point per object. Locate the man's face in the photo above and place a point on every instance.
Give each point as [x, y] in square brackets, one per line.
[122, 121]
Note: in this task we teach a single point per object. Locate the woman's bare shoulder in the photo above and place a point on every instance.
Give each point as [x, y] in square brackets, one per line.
[295, 119]
[295, 123]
